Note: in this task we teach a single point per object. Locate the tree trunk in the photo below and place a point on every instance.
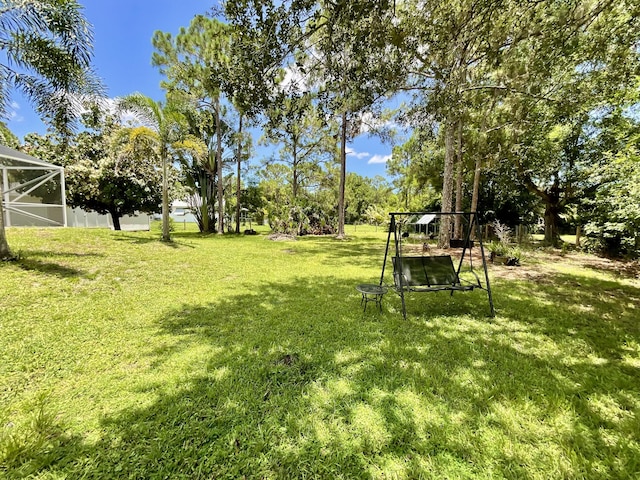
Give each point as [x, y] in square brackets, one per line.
[204, 199]
[219, 169]
[166, 232]
[476, 191]
[551, 220]
[478, 167]
[5, 251]
[447, 186]
[578, 235]
[457, 229]
[115, 218]
[553, 205]
[238, 184]
[294, 153]
[343, 174]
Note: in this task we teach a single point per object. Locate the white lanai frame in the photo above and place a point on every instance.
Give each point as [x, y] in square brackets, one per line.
[17, 194]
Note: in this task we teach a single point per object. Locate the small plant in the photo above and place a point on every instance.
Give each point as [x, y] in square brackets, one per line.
[27, 447]
[503, 232]
[156, 225]
[566, 248]
[513, 256]
[502, 248]
[496, 249]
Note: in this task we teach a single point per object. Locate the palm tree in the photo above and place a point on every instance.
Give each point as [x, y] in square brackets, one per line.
[164, 126]
[196, 63]
[45, 53]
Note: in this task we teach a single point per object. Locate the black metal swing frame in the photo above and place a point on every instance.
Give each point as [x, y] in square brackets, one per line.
[435, 273]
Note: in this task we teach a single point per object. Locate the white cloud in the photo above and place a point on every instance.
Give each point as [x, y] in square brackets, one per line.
[13, 114]
[352, 153]
[371, 123]
[379, 159]
[293, 80]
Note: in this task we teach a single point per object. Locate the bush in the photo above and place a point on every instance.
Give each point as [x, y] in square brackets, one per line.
[613, 227]
[302, 221]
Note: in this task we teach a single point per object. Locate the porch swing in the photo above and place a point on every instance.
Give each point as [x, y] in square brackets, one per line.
[434, 273]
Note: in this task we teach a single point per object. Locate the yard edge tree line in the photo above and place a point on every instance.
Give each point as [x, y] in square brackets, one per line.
[521, 101]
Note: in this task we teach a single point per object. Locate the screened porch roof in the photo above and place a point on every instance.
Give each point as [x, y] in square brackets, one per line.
[13, 158]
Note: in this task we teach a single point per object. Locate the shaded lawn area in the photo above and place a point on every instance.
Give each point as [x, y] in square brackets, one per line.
[237, 357]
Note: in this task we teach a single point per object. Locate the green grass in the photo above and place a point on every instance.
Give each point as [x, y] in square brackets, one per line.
[569, 239]
[238, 357]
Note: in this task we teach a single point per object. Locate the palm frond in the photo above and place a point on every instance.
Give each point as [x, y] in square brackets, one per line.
[59, 20]
[47, 47]
[191, 147]
[145, 110]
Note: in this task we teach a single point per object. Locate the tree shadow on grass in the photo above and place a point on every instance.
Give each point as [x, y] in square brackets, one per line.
[135, 240]
[38, 261]
[48, 268]
[616, 266]
[599, 312]
[441, 304]
[178, 234]
[340, 253]
[147, 240]
[297, 382]
[49, 253]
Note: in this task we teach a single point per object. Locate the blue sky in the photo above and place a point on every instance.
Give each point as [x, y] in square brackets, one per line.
[122, 58]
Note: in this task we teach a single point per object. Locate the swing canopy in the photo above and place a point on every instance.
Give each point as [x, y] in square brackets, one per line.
[422, 269]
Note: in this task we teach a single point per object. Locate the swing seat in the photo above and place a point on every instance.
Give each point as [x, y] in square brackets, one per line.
[427, 274]
[435, 273]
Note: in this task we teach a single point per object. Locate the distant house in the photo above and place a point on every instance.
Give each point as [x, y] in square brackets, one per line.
[181, 211]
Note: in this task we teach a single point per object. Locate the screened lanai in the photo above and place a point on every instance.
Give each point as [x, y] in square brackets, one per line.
[32, 190]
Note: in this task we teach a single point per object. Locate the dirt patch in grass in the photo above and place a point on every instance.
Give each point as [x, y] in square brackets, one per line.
[623, 268]
[281, 237]
[534, 273]
[535, 265]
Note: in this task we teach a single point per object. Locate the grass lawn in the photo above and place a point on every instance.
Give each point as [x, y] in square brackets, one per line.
[239, 357]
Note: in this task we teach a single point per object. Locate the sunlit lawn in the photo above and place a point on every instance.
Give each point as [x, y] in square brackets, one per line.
[239, 357]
